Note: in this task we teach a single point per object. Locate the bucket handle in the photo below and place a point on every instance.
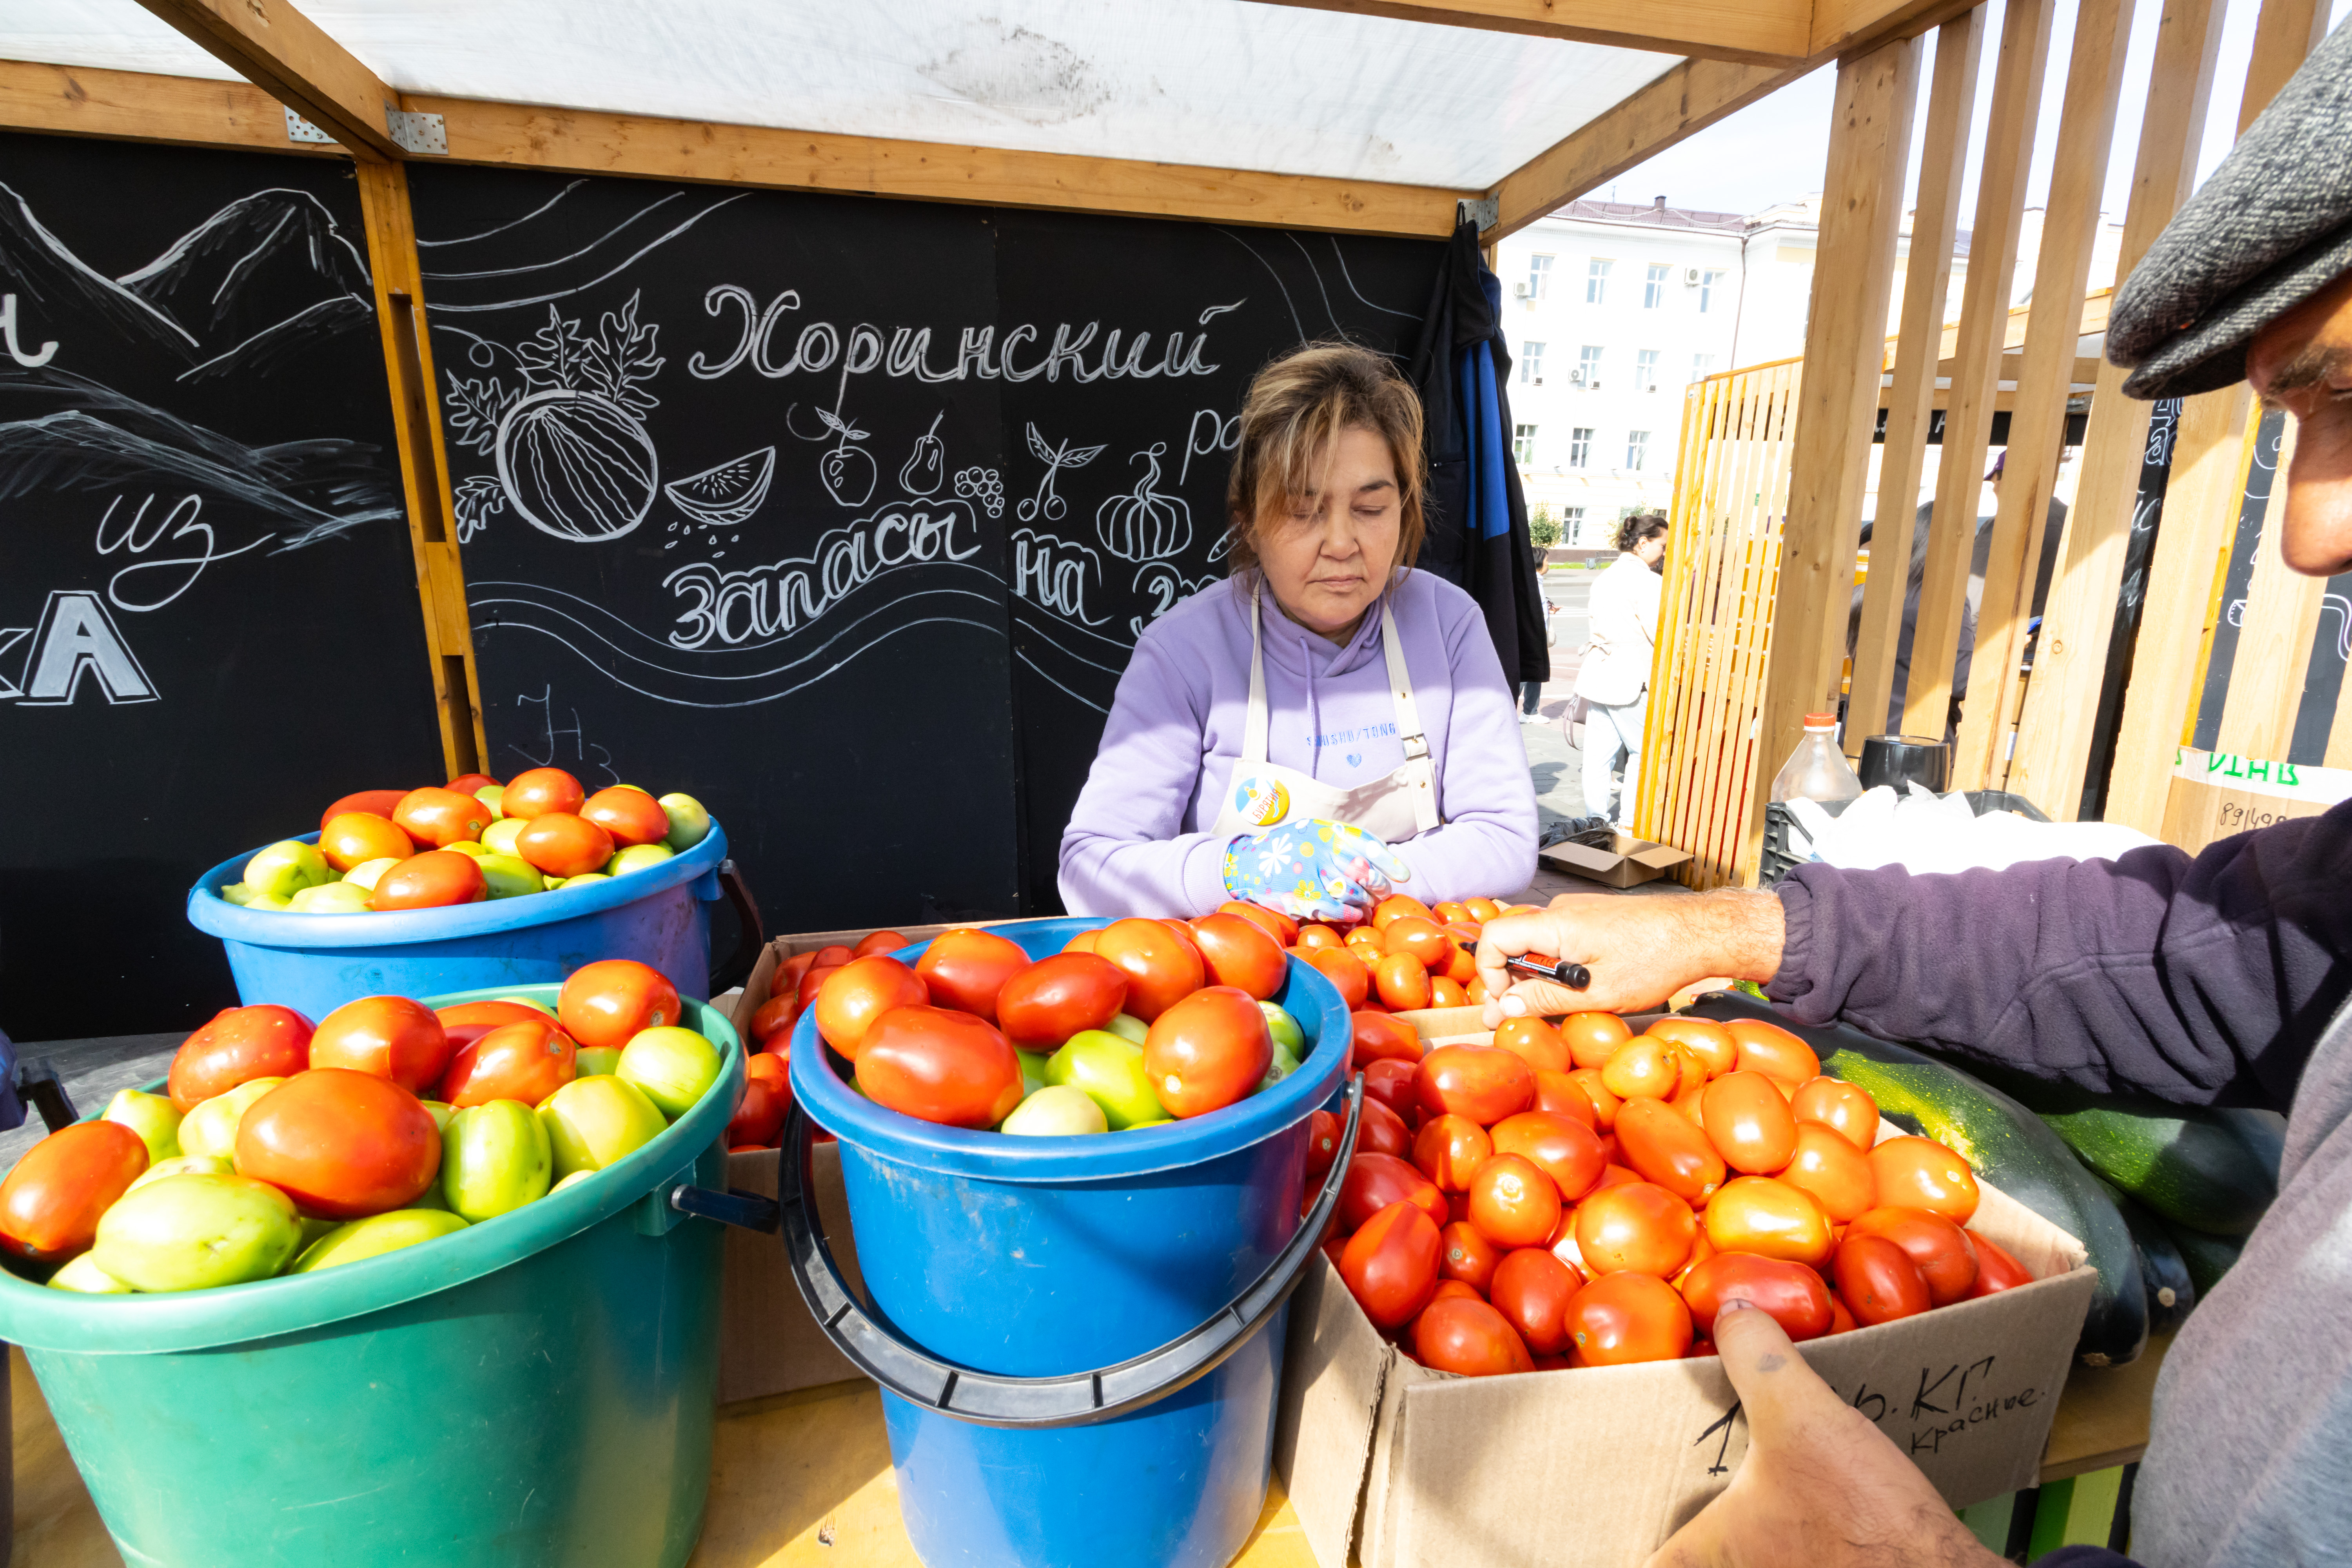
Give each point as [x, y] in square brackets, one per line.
[1076, 1399]
[750, 936]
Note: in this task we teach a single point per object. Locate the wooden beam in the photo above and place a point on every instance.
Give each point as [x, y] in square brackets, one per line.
[423, 462]
[1984, 323]
[1837, 407]
[2037, 429]
[131, 105]
[1926, 278]
[2284, 35]
[288, 56]
[1840, 26]
[1760, 32]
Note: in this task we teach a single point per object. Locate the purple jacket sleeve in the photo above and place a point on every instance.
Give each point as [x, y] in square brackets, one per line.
[1487, 845]
[2203, 981]
[1124, 852]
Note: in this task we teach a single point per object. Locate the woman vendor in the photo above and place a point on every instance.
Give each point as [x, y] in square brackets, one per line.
[1327, 724]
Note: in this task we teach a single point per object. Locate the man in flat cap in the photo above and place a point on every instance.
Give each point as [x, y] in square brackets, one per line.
[2220, 979]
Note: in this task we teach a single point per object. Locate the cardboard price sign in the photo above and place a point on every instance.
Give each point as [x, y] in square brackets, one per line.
[2215, 794]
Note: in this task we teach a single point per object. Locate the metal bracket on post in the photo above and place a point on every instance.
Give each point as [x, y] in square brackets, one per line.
[1486, 211]
[417, 133]
[300, 130]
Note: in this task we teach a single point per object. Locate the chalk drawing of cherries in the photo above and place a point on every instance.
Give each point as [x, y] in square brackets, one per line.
[848, 471]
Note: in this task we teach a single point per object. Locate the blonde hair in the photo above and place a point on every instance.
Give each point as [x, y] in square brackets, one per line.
[1296, 407]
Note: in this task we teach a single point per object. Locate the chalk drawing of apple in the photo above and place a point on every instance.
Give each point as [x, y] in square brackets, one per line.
[848, 471]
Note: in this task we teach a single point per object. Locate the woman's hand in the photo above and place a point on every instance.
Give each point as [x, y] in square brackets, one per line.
[1640, 950]
[1820, 1486]
[1313, 870]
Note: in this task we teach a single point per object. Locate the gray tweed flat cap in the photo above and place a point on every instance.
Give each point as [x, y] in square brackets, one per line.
[2270, 228]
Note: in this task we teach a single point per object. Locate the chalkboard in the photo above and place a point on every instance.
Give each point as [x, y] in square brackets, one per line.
[844, 514]
[208, 623]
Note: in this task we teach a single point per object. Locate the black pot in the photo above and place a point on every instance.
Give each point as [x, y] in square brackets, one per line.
[1898, 760]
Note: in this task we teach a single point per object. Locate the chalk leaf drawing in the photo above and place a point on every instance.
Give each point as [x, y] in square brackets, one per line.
[1046, 503]
[728, 494]
[479, 498]
[1143, 524]
[927, 464]
[984, 487]
[573, 454]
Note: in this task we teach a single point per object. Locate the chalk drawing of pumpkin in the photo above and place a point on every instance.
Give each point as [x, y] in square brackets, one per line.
[1144, 525]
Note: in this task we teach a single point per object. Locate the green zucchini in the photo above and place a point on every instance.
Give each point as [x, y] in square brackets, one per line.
[2207, 1257]
[2007, 1144]
[2171, 1289]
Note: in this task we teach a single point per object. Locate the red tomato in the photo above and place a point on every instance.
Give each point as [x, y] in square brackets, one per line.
[832, 956]
[1396, 907]
[469, 1021]
[1877, 1282]
[775, 1069]
[1376, 1036]
[1840, 1320]
[1478, 1082]
[435, 879]
[774, 1016]
[1449, 1150]
[1391, 1263]
[1448, 911]
[788, 974]
[441, 817]
[1421, 938]
[604, 1005]
[1513, 1203]
[239, 1045]
[1241, 953]
[1709, 1041]
[1995, 1270]
[1402, 983]
[1208, 1051]
[1346, 972]
[1837, 1173]
[1748, 1123]
[374, 801]
[1375, 1181]
[759, 1116]
[1274, 923]
[881, 941]
[1623, 1318]
[1593, 1037]
[562, 845]
[1464, 1335]
[1483, 909]
[1560, 1094]
[1466, 1256]
[1392, 1083]
[937, 1064]
[861, 990]
[1315, 933]
[1643, 1068]
[1042, 1005]
[1926, 1174]
[1664, 1148]
[1848, 1110]
[1366, 945]
[1945, 1257]
[1771, 1218]
[1604, 1104]
[526, 1061]
[50, 1203]
[353, 837]
[1792, 1294]
[468, 783]
[1634, 1226]
[1161, 968]
[1773, 1051]
[1380, 1130]
[1085, 942]
[1565, 1150]
[1183, 932]
[630, 815]
[813, 982]
[1445, 992]
[1532, 1289]
[1534, 1042]
[540, 791]
[341, 1144]
[391, 1037]
[1323, 1144]
[1464, 967]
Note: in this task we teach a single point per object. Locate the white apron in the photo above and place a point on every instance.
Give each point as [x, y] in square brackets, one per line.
[1261, 795]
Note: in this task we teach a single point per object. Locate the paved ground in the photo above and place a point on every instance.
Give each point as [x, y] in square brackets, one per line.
[1557, 767]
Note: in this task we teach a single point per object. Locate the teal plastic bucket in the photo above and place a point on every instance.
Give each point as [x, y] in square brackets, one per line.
[536, 1389]
[1079, 1340]
[315, 964]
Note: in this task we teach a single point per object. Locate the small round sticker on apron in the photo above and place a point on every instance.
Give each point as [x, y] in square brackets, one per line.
[1261, 802]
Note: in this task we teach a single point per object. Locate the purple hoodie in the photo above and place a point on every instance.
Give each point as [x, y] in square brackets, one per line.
[1138, 842]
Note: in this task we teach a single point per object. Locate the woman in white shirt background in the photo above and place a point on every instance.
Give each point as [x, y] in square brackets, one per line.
[1614, 681]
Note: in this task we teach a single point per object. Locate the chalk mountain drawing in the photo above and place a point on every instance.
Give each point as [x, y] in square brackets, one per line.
[1143, 524]
[1046, 503]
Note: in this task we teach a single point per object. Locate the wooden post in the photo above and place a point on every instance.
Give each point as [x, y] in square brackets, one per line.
[1837, 401]
[424, 464]
[1927, 281]
[2070, 661]
[1976, 367]
[2037, 425]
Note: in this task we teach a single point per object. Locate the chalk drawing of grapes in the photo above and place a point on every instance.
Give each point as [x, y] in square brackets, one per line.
[571, 448]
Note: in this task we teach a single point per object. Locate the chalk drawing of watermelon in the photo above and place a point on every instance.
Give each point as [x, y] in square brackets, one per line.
[728, 494]
[576, 465]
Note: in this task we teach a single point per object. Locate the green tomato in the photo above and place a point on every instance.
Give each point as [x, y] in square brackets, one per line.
[1032, 1070]
[1281, 1067]
[375, 1235]
[1127, 1027]
[591, 1122]
[245, 895]
[674, 1066]
[1059, 1110]
[151, 1117]
[330, 898]
[494, 796]
[495, 1158]
[440, 1110]
[210, 1127]
[584, 877]
[1155, 1121]
[183, 1165]
[286, 869]
[592, 1060]
[1110, 1069]
[195, 1232]
[500, 837]
[313, 1229]
[470, 846]
[1285, 1029]
[510, 876]
[84, 1275]
[574, 1180]
[690, 825]
[637, 857]
[526, 1002]
[367, 873]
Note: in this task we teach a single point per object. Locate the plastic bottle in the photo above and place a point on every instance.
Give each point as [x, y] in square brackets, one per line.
[1817, 770]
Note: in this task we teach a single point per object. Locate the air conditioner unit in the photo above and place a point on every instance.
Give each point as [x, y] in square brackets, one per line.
[1538, 381]
[1522, 289]
[1690, 276]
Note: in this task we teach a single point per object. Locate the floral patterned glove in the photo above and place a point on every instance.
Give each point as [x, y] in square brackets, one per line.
[1313, 870]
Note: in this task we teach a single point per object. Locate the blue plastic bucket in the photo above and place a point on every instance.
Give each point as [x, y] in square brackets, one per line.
[1038, 1257]
[315, 964]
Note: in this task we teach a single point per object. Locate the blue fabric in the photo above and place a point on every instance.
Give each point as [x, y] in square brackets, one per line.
[1489, 514]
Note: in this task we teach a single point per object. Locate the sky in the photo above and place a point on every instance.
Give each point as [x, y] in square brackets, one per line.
[1775, 149]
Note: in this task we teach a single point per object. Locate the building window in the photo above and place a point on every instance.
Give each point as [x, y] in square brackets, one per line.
[1571, 528]
[1706, 284]
[1588, 366]
[1532, 362]
[1523, 445]
[1637, 447]
[1579, 446]
[1702, 367]
[1654, 285]
[1596, 280]
[1538, 277]
[1645, 370]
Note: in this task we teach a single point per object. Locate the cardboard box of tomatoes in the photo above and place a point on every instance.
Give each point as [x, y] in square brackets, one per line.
[1392, 1464]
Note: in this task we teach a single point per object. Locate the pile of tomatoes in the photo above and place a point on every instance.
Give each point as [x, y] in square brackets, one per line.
[1406, 957]
[1580, 1195]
